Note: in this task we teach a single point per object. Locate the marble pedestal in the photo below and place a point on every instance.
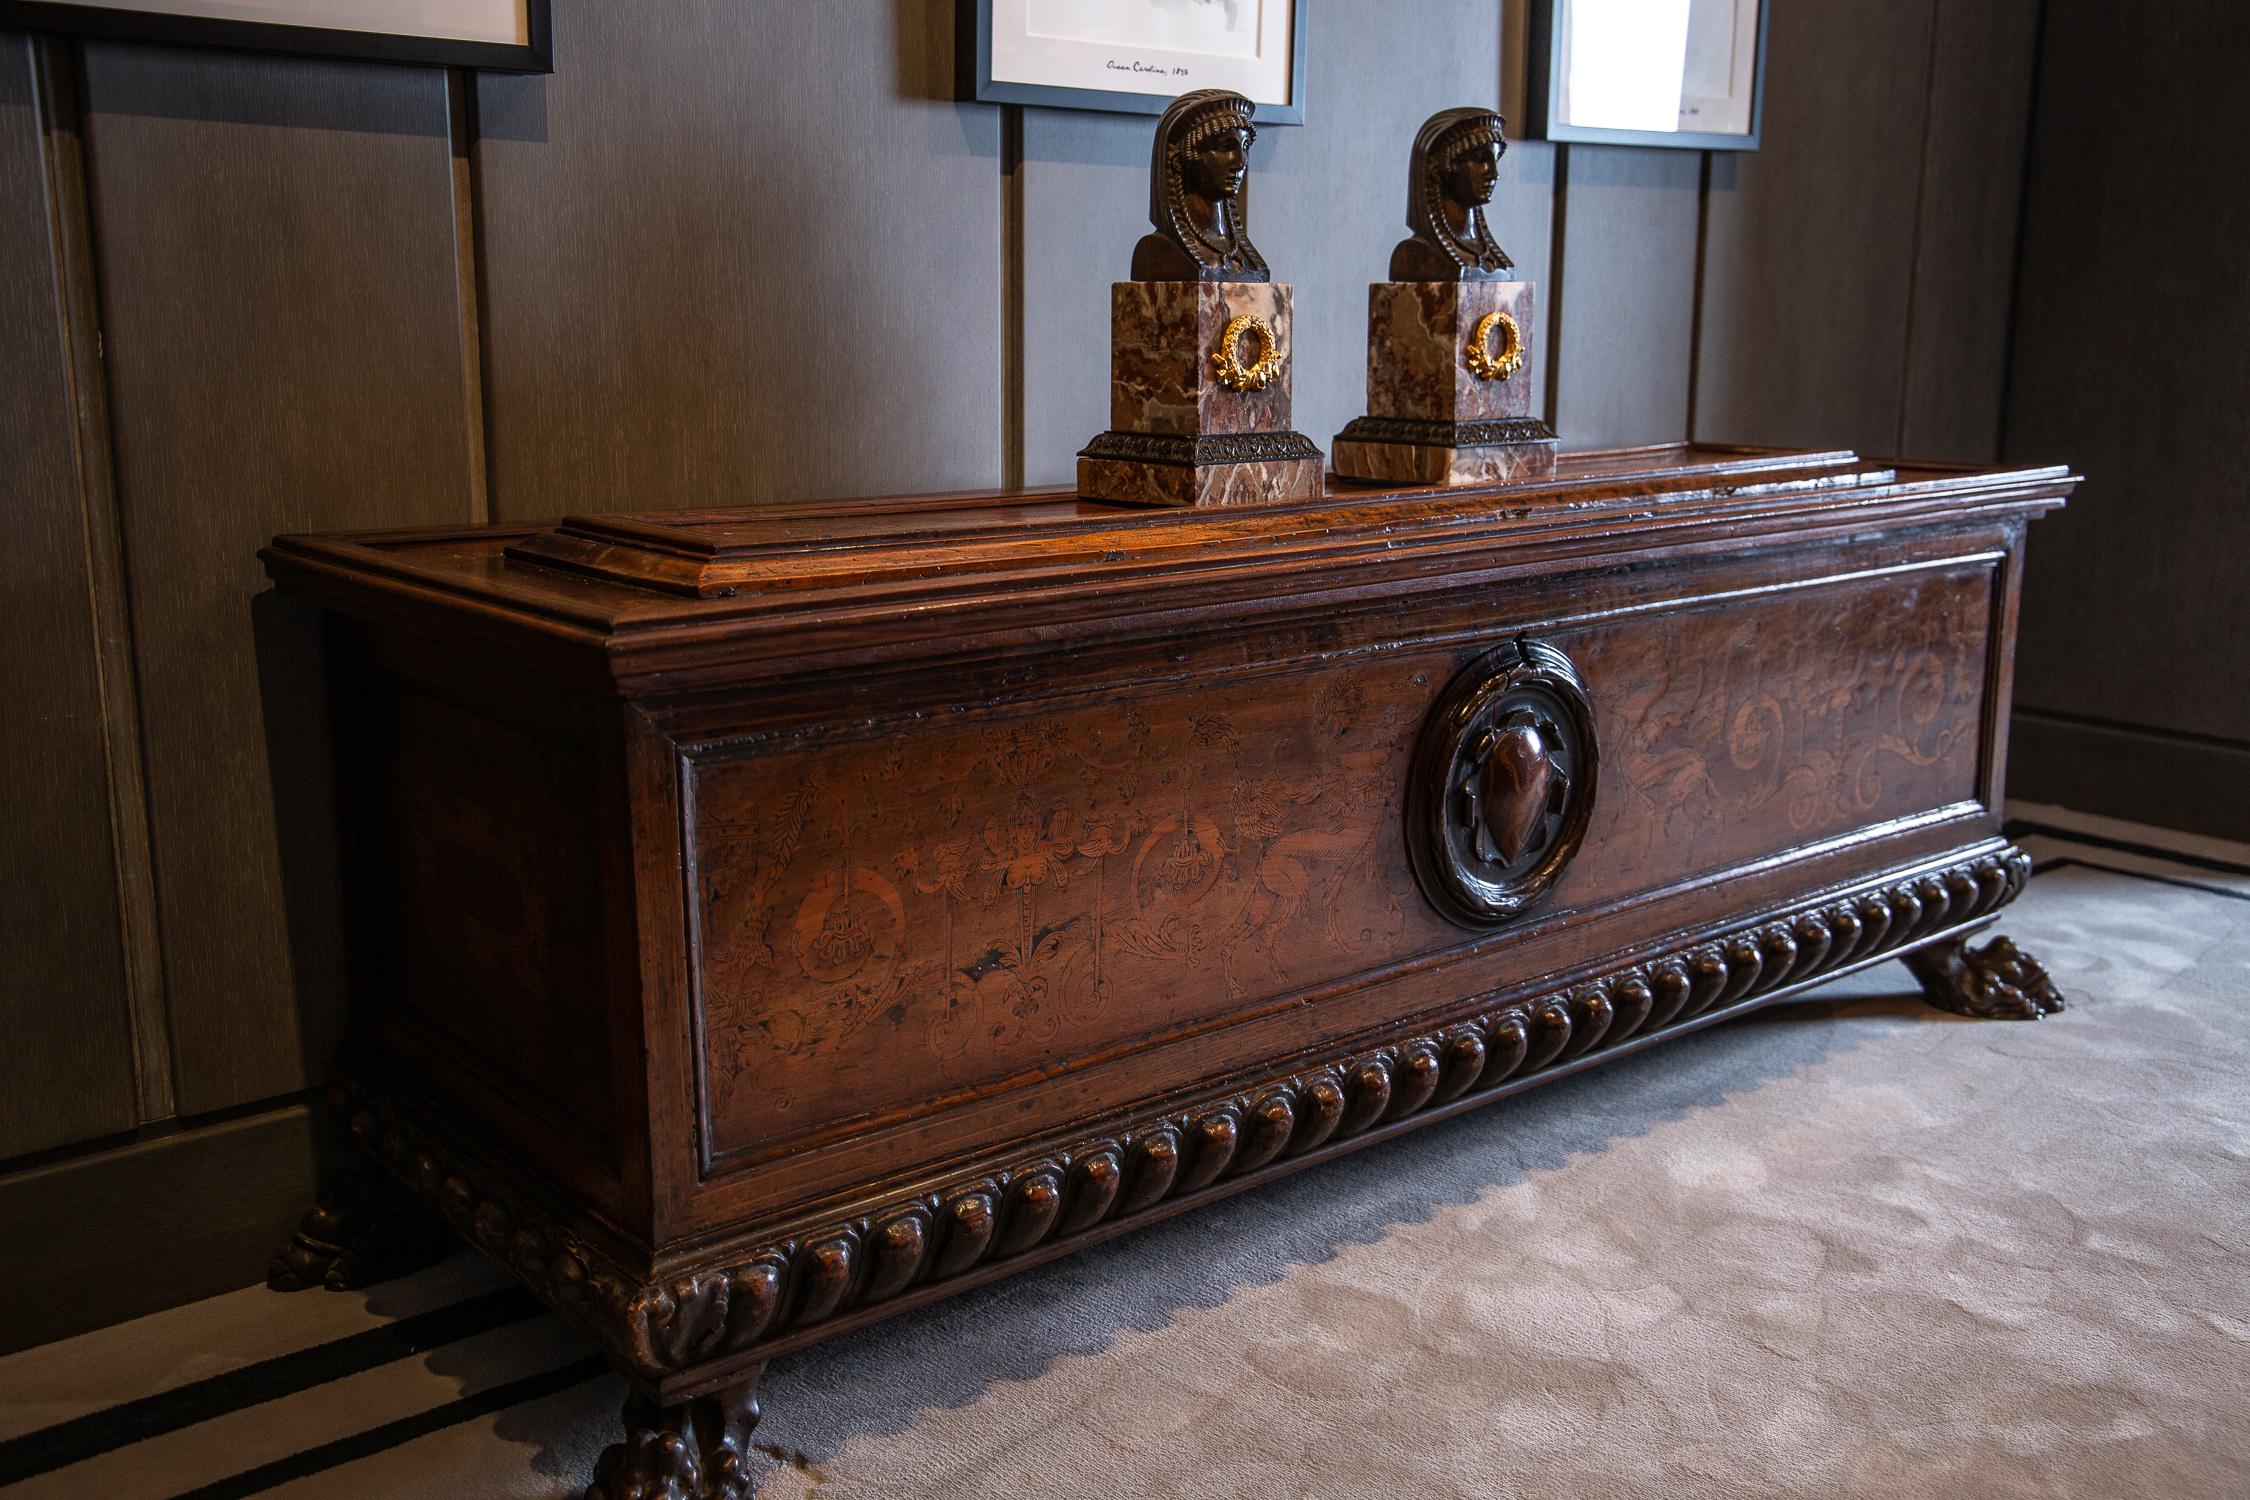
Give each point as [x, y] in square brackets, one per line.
[1178, 436]
[1430, 418]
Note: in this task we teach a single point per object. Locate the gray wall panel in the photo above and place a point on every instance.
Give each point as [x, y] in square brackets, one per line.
[2131, 360]
[738, 253]
[1809, 241]
[1084, 203]
[2123, 771]
[156, 1223]
[282, 329]
[1625, 319]
[1965, 232]
[67, 1069]
[1523, 216]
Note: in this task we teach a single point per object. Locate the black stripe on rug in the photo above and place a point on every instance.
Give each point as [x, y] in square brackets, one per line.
[2018, 827]
[285, 1375]
[375, 1440]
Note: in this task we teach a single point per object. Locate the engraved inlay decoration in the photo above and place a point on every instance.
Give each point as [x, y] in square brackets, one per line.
[1503, 784]
[1030, 883]
[1756, 721]
[1064, 877]
[1488, 363]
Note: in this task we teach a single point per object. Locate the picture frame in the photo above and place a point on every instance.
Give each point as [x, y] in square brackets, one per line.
[499, 36]
[1131, 56]
[1613, 80]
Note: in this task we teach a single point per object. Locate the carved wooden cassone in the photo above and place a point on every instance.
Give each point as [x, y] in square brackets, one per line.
[768, 920]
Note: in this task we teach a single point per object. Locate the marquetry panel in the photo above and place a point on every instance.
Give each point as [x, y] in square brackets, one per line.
[887, 921]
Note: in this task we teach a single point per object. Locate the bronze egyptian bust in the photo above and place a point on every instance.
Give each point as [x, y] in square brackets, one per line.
[1199, 338]
[1449, 398]
[1198, 193]
[1455, 167]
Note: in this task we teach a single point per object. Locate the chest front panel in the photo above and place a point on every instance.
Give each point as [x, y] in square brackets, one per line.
[891, 918]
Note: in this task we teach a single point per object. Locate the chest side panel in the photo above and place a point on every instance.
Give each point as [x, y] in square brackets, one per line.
[485, 946]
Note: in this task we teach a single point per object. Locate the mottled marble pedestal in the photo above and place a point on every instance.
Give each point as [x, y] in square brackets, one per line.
[1179, 435]
[1431, 417]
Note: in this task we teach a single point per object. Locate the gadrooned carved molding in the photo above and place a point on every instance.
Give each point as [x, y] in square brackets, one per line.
[1502, 784]
[791, 1282]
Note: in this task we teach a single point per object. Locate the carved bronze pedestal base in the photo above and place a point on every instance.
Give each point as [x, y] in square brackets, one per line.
[1247, 468]
[1997, 981]
[366, 1228]
[698, 1449]
[1405, 450]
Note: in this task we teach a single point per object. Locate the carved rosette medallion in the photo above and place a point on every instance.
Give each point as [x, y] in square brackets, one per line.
[1502, 784]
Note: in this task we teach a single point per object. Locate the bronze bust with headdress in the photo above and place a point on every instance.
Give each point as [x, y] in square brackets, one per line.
[1198, 193]
[1455, 168]
[1449, 388]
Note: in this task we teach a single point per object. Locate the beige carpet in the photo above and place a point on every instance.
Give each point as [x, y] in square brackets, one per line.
[1851, 1247]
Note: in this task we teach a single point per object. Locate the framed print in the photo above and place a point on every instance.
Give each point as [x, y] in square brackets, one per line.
[1685, 73]
[503, 36]
[1134, 56]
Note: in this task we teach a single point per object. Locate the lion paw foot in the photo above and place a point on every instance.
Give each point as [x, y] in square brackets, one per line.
[1997, 981]
[365, 1229]
[697, 1450]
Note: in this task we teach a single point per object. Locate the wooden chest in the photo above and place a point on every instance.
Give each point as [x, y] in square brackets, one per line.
[764, 921]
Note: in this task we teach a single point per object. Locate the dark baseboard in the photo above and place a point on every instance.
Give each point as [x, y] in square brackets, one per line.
[117, 1234]
[2119, 771]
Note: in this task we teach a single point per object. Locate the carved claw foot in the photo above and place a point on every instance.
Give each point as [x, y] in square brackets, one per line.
[1998, 981]
[365, 1229]
[697, 1450]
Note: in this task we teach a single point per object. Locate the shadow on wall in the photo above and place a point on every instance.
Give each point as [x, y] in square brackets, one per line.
[300, 764]
[511, 107]
[925, 30]
[279, 90]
